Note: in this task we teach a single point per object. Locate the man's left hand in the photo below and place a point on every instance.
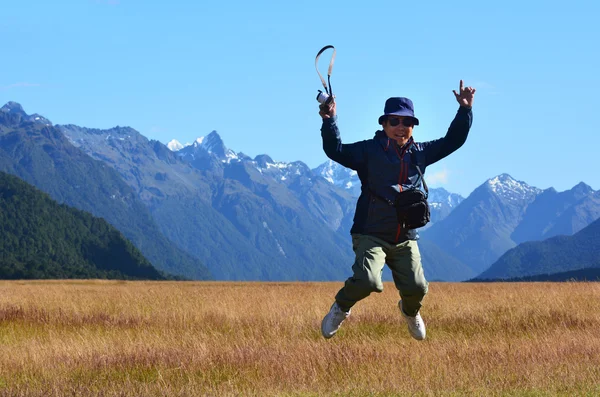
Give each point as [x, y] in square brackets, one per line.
[465, 96]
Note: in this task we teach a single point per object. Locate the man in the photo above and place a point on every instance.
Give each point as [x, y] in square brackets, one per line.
[386, 165]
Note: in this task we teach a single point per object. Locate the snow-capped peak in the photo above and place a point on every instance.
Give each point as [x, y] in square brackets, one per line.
[174, 145]
[507, 187]
[211, 144]
[340, 176]
[441, 196]
[15, 108]
[280, 169]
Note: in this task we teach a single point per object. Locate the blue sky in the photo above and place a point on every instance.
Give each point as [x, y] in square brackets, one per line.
[181, 69]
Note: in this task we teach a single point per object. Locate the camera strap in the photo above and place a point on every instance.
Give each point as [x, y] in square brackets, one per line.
[418, 159]
[328, 91]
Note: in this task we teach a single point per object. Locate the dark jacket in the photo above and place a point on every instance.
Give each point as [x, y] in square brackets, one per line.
[385, 169]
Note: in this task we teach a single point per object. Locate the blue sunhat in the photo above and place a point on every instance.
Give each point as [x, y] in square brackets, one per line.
[398, 106]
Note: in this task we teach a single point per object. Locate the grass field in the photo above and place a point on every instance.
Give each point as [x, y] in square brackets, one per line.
[113, 338]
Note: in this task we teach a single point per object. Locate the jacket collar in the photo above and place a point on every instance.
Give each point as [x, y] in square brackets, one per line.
[387, 143]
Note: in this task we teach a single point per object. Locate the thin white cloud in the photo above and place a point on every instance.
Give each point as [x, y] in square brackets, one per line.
[482, 86]
[20, 85]
[438, 178]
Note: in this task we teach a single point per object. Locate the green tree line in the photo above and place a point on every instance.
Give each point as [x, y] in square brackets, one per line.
[41, 239]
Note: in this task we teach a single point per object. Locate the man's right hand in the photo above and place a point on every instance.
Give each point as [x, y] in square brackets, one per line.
[327, 111]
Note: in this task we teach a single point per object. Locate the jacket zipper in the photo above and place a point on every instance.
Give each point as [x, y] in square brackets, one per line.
[400, 177]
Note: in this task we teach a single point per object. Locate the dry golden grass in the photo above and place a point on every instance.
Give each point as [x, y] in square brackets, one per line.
[112, 338]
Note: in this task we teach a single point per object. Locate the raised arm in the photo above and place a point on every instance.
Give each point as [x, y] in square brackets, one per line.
[457, 132]
[349, 155]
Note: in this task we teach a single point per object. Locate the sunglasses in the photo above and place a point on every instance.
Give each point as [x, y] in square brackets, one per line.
[407, 121]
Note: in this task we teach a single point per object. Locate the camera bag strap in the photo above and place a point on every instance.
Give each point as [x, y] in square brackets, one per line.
[417, 157]
[422, 180]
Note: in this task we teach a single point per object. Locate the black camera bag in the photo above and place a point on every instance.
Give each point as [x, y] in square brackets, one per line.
[412, 208]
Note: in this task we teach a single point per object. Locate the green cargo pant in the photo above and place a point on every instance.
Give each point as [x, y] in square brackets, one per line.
[372, 253]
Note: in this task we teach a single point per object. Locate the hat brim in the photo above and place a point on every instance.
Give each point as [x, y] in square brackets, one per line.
[383, 117]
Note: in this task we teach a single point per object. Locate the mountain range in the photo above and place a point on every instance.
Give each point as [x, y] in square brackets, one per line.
[496, 216]
[37, 152]
[248, 219]
[549, 257]
[243, 218]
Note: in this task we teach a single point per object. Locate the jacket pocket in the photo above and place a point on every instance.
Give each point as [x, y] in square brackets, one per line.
[382, 217]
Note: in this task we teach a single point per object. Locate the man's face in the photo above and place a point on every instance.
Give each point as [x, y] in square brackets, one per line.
[395, 129]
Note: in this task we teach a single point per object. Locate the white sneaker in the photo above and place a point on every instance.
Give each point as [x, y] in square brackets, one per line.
[416, 325]
[333, 320]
